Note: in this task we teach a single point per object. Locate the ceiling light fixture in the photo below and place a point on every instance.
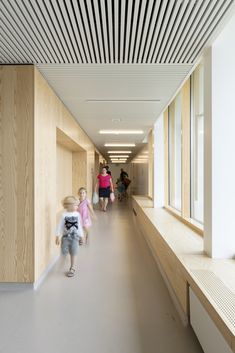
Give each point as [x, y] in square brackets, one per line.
[121, 132]
[117, 159]
[113, 152]
[118, 162]
[119, 156]
[122, 100]
[119, 144]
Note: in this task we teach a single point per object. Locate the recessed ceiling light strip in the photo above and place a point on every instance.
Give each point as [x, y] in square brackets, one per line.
[122, 100]
[120, 132]
[119, 152]
[119, 144]
[119, 156]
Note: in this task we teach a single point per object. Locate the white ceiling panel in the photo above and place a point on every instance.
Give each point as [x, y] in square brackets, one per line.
[99, 94]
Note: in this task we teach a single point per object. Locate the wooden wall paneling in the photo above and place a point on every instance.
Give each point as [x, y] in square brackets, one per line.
[64, 165]
[46, 112]
[166, 157]
[186, 149]
[96, 167]
[67, 142]
[31, 115]
[16, 174]
[169, 262]
[90, 172]
[79, 171]
[53, 121]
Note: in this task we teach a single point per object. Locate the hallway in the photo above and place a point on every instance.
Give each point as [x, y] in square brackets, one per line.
[117, 303]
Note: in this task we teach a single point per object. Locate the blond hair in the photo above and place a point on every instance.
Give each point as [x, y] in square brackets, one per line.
[69, 200]
[82, 189]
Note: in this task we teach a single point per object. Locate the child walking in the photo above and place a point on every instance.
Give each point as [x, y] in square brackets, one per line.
[86, 211]
[70, 229]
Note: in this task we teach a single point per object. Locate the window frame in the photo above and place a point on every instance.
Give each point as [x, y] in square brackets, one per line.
[185, 214]
[192, 156]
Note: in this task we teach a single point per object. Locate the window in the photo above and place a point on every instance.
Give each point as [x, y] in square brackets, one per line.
[197, 144]
[175, 127]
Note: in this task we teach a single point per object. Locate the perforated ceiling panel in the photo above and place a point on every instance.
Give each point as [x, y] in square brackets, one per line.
[107, 31]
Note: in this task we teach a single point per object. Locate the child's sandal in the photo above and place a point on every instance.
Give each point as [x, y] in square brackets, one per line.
[71, 272]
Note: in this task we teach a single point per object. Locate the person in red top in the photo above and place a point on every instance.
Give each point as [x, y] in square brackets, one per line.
[105, 185]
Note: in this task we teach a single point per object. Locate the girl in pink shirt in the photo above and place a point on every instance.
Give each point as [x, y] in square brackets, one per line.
[105, 186]
[86, 211]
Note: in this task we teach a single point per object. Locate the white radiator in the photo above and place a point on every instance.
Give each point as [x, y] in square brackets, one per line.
[208, 335]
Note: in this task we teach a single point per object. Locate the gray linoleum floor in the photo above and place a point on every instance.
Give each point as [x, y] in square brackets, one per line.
[118, 302]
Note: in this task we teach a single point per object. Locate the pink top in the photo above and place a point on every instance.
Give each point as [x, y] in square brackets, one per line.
[85, 213]
[104, 181]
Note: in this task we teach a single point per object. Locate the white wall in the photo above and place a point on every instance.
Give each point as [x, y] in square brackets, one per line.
[220, 145]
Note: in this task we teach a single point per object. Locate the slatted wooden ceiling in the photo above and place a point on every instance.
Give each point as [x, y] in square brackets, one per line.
[107, 31]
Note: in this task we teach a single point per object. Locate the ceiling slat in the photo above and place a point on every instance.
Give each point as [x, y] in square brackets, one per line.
[105, 33]
[110, 26]
[99, 32]
[174, 31]
[9, 36]
[201, 30]
[44, 14]
[193, 24]
[168, 30]
[163, 29]
[144, 7]
[109, 31]
[180, 29]
[23, 36]
[160, 18]
[133, 37]
[145, 30]
[216, 21]
[58, 8]
[86, 29]
[45, 29]
[38, 31]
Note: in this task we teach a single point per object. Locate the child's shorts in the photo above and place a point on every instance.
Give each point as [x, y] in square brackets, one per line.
[69, 245]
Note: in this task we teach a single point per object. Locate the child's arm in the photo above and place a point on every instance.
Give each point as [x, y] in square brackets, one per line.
[80, 229]
[91, 210]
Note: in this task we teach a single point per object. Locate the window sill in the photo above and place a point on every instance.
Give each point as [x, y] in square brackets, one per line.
[194, 225]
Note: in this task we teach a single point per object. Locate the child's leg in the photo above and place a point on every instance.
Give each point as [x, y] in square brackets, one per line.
[73, 257]
[86, 234]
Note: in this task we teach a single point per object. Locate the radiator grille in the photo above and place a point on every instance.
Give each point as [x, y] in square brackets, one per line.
[222, 296]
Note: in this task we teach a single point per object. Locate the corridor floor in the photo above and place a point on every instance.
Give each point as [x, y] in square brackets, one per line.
[116, 303]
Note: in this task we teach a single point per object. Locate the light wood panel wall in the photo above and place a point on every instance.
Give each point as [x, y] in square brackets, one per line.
[16, 174]
[64, 166]
[32, 121]
[173, 269]
[79, 171]
[51, 115]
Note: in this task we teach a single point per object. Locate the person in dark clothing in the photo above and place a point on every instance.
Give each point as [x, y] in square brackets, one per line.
[107, 169]
[123, 175]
